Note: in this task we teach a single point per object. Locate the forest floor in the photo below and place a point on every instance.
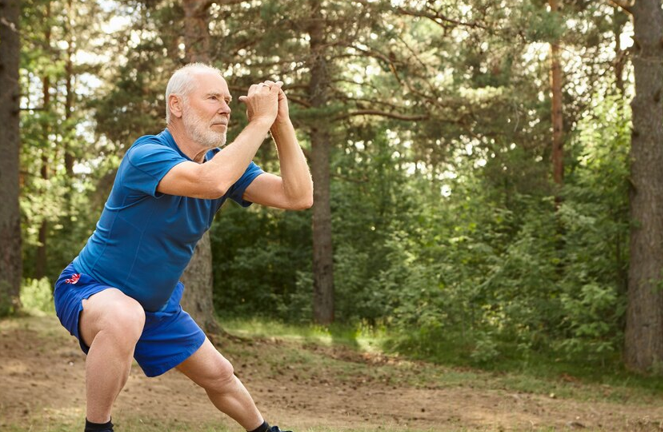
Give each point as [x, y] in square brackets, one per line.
[308, 387]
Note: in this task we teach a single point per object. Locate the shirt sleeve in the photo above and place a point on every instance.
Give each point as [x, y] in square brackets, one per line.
[236, 191]
[147, 165]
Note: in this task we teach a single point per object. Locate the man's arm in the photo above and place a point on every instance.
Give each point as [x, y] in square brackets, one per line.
[212, 180]
[294, 189]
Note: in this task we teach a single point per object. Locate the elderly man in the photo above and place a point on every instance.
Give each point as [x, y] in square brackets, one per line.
[121, 295]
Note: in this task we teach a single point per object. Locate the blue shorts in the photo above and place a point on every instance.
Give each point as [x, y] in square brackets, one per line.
[169, 337]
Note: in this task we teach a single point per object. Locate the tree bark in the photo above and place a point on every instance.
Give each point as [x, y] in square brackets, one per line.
[644, 319]
[196, 30]
[557, 119]
[40, 263]
[199, 281]
[323, 268]
[11, 265]
[69, 101]
[198, 277]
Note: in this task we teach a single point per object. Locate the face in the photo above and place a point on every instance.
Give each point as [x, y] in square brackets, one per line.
[206, 112]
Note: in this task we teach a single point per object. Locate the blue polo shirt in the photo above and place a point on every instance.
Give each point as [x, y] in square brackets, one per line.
[145, 239]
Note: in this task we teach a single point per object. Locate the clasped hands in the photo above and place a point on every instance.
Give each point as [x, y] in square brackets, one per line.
[266, 102]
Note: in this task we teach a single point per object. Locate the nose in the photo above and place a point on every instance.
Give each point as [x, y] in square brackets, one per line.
[224, 108]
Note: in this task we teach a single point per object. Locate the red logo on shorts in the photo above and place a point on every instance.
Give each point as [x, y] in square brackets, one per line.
[73, 279]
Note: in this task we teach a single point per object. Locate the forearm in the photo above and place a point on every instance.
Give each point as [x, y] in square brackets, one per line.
[229, 165]
[297, 183]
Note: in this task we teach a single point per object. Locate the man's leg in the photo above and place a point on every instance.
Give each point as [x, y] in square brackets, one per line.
[210, 370]
[111, 323]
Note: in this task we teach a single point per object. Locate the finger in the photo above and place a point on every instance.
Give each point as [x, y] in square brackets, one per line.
[269, 83]
[253, 89]
[279, 83]
[243, 99]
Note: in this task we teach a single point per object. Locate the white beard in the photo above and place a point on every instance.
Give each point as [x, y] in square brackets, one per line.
[200, 132]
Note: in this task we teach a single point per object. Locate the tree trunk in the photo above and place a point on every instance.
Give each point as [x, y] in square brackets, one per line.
[198, 277]
[10, 219]
[69, 101]
[557, 120]
[323, 268]
[40, 264]
[198, 280]
[196, 30]
[644, 319]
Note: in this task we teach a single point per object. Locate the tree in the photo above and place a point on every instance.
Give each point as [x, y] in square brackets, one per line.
[644, 318]
[198, 276]
[323, 266]
[41, 259]
[10, 221]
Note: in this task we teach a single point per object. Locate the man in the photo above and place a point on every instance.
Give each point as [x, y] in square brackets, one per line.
[120, 297]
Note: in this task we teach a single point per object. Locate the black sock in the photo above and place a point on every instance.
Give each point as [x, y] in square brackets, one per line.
[264, 427]
[98, 427]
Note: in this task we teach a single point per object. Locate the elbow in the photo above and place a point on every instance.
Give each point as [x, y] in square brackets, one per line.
[304, 204]
[216, 188]
[218, 192]
[212, 192]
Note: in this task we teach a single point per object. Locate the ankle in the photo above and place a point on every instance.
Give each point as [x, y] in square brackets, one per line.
[98, 427]
[264, 427]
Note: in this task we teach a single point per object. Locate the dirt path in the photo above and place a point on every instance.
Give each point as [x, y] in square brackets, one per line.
[42, 374]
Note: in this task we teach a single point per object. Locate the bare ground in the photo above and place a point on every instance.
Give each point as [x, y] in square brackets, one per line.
[42, 376]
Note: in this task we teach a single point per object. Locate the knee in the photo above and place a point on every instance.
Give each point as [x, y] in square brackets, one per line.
[224, 374]
[125, 321]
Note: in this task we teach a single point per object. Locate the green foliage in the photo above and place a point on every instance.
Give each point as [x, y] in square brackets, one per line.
[37, 295]
[543, 278]
[257, 260]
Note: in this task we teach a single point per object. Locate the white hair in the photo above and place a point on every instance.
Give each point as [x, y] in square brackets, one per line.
[182, 82]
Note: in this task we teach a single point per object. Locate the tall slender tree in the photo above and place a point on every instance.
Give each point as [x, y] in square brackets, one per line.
[644, 318]
[41, 258]
[10, 223]
[323, 266]
[198, 276]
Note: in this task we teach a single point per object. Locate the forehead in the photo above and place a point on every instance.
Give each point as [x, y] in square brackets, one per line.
[210, 82]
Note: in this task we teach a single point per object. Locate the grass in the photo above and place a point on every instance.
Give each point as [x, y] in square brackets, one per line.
[526, 370]
[450, 364]
[361, 338]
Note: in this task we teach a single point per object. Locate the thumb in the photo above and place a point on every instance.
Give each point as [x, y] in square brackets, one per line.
[243, 99]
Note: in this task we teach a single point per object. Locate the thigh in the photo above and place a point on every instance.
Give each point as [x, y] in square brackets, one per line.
[110, 309]
[75, 303]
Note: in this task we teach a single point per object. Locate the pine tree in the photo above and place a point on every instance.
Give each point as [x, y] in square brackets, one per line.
[10, 226]
[644, 319]
[198, 276]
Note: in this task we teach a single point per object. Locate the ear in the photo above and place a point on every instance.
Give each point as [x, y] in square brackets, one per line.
[175, 105]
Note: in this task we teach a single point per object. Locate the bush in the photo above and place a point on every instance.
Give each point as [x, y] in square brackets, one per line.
[36, 295]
